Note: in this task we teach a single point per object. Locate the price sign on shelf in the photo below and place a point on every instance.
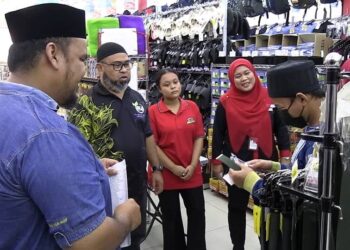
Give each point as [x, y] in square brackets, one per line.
[295, 53]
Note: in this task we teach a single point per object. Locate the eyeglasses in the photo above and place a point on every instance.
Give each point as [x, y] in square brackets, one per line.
[117, 66]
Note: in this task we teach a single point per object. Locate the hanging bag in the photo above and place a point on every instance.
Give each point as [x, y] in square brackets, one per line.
[303, 4]
[253, 8]
[277, 6]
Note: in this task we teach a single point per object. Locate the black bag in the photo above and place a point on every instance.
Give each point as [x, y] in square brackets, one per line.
[303, 4]
[253, 8]
[277, 6]
[328, 1]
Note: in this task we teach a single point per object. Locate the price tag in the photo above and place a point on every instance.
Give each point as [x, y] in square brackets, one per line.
[295, 53]
[266, 53]
[278, 52]
[255, 53]
[284, 52]
[246, 53]
[200, 37]
[222, 54]
[232, 53]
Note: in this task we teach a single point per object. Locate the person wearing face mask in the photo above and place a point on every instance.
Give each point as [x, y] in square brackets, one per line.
[294, 88]
[133, 135]
[245, 124]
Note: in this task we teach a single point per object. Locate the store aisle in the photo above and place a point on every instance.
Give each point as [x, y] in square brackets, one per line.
[217, 233]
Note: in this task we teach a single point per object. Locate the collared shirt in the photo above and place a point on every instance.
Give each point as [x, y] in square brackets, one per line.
[175, 135]
[53, 189]
[130, 135]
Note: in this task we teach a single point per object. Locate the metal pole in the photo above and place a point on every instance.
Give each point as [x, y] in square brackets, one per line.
[332, 62]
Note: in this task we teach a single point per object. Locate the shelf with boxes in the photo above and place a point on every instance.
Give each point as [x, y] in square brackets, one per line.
[295, 45]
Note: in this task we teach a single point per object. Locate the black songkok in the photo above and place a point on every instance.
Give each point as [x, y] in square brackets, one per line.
[46, 21]
[289, 78]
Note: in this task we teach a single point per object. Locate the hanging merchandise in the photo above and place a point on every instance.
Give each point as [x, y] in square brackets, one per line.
[328, 1]
[93, 26]
[135, 22]
[253, 8]
[188, 22]
[277, 6]
[303, 4]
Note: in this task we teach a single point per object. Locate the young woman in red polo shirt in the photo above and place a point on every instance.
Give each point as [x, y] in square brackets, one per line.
[247, 125]
[178, 130]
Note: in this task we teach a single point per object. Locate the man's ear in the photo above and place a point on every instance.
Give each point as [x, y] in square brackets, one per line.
[303, 98]
[53, 54]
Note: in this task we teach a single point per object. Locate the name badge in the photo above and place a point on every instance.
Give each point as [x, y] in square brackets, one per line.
[253, 144]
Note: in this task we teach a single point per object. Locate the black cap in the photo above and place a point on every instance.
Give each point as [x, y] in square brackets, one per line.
[108, 49]
[289, 78]
[44, 21]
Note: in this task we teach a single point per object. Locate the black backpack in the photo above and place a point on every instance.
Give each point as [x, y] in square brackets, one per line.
[253, 8]
[303, 4]
[328, 1]
[277, 6]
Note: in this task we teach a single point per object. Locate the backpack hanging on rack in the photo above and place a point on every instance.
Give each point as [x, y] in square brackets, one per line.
[253, 8]
[303, 4]
[328, 1]
[277, 6]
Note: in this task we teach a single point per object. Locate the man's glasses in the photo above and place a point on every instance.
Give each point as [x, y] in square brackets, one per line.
[117, 66]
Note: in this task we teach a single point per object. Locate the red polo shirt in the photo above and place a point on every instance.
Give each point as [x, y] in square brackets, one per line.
[175, 135]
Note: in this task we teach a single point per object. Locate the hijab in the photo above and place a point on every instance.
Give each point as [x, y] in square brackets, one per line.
[247, 112]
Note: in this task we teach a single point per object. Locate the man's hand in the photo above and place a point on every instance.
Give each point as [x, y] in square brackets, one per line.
[157, 182]
[218, 170]
[239, 176]
[260, 164]
[107, 164]
[128, 214]
[188, 173]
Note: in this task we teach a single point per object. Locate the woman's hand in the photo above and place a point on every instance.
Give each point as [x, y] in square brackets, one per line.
[188, 173]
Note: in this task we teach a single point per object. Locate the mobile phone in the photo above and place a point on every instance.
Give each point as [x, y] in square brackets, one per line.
[228, 162]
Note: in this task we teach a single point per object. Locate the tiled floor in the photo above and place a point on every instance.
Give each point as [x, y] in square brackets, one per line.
[217, 232]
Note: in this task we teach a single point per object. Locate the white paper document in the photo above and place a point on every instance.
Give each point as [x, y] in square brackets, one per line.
[119, 191]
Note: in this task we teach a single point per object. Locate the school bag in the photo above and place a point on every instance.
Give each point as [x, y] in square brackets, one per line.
[277, 6]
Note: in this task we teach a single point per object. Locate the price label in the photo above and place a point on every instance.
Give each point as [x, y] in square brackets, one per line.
[266, 53]
[246, 53]
[200, 37]
[295, 53]
[255, 53]
[232, 53]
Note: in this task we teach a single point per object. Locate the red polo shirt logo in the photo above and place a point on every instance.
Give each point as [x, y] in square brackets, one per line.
[190, 120]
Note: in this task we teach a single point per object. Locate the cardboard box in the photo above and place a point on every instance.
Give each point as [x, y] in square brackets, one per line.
[262, 41]
[275, 40]
[321, 43]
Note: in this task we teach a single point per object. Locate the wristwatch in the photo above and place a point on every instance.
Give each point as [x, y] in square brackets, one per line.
[157, 168]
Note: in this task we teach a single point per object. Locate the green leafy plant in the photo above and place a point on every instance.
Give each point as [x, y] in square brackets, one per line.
[95, 123]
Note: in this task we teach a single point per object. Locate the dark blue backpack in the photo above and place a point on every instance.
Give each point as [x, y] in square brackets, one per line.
[303, 4]
[277, 6]
[253, 8]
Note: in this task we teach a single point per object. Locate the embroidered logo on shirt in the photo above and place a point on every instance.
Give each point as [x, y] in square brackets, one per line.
[190, 120]
[139, 108]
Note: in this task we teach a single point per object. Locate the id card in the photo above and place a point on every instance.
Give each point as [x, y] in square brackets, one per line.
[253, 144]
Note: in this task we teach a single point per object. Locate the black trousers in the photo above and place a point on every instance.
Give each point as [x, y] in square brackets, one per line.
[173, 231]
[140, 232]
[237, 206]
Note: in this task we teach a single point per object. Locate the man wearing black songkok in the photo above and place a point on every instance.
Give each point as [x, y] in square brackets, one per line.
[132, 136]
[54, 191]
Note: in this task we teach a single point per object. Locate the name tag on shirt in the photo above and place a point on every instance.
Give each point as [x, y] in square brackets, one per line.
[253, 145]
